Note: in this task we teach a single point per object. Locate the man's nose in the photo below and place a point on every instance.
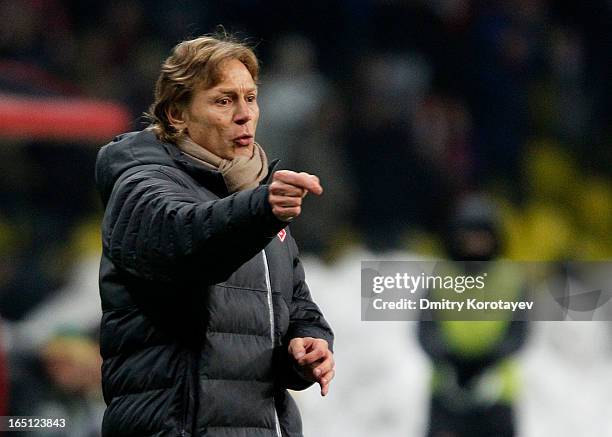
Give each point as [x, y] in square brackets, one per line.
[243, 113]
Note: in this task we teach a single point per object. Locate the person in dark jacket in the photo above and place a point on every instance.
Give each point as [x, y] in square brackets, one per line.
[475, 381]
[207, 319]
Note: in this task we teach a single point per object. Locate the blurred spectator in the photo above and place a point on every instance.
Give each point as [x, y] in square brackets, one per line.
[474, 383]
[75, 305]
[55, 366]
[397, 185]
[60, 380]
[303, 120]
[508, 38]
[42, 202]
[443, 139]
[571, 104]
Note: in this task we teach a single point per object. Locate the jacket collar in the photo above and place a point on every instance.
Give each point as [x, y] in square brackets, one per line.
[271, 169]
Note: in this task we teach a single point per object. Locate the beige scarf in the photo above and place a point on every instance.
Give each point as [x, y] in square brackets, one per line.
[240, 173]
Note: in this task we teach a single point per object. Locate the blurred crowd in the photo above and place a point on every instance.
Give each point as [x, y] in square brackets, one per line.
[402, 108]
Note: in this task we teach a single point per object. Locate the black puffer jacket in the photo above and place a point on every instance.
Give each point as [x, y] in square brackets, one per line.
[200, 296]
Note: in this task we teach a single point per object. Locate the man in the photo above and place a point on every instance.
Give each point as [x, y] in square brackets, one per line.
[207, 319]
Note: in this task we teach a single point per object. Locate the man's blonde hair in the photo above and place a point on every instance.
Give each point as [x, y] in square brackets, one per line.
[193, 63]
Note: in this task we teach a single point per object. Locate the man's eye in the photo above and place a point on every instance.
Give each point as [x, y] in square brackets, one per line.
[224, 101]
[251, 98]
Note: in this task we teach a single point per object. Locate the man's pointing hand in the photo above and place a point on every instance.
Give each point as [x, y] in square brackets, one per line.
[287, 190]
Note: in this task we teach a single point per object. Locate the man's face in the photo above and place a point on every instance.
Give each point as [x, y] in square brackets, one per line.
[223, 119]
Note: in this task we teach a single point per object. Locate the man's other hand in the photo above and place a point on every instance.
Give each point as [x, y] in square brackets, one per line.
[314, 361]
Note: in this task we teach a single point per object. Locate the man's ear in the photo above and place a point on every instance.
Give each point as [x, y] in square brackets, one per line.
[176, 117]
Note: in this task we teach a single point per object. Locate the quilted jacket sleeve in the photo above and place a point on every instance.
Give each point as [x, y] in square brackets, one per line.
[155, 228]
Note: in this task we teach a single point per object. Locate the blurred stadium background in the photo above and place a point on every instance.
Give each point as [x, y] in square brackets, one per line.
[401, 107]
